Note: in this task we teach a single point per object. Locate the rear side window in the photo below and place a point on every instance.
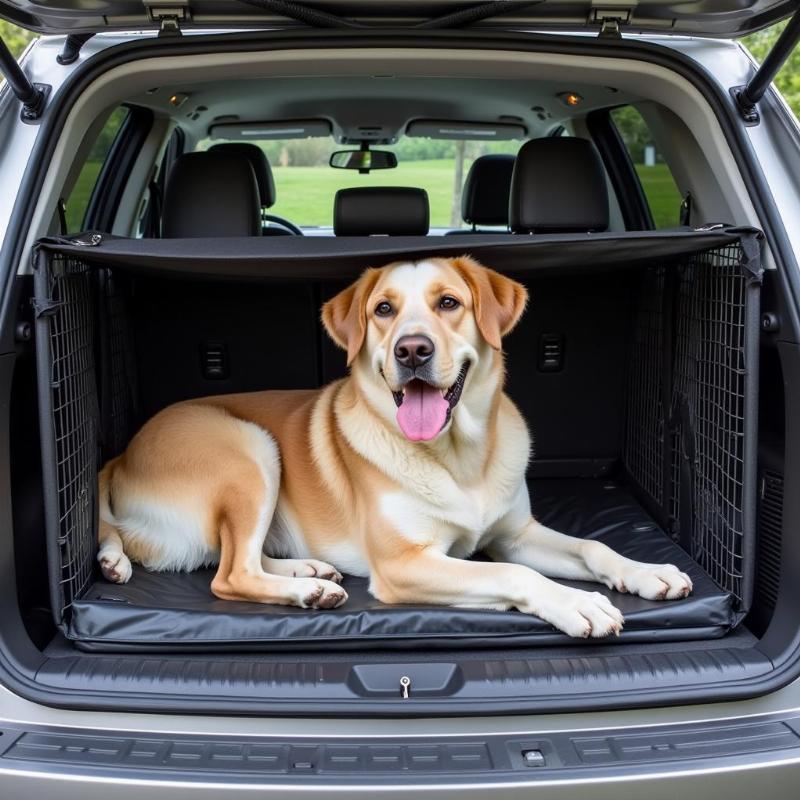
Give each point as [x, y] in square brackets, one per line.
[660, 190]
[78, 200]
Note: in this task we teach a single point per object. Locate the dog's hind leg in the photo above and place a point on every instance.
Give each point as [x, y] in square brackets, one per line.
[115, 565]
[248, 500]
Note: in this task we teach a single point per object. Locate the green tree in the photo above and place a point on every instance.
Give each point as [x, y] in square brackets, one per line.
[16, 38]
[788, 79]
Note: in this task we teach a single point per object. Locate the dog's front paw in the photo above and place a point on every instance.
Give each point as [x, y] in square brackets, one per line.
[662, 582]
[316, 593]
[579, 613]
[319, 569]
[116, 567]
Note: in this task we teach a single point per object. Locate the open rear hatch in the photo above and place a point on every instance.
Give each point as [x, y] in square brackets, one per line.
[724, 18]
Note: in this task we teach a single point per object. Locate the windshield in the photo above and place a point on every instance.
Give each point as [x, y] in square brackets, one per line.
[305, 185]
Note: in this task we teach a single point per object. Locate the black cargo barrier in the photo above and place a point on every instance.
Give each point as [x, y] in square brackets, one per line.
[688, 457]
[314, 257]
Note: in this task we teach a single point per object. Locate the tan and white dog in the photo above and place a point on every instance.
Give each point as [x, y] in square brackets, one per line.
[398, 472]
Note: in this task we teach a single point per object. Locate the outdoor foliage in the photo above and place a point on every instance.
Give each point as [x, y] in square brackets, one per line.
[16, 38]
[788, 79]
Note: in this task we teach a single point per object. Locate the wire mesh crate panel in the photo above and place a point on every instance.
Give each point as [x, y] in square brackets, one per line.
[74, 416]
[710, 400]
[644, 438]
[119, 385]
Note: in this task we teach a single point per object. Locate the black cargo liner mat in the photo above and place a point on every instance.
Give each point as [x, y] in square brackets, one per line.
[168, 611]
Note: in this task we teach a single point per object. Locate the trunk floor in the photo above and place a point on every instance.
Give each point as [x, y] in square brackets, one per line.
[160, 612]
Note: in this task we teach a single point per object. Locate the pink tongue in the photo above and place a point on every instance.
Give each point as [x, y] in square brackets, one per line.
[423, 411]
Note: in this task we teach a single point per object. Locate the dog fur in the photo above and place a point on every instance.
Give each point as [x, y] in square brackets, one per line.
[276, 487]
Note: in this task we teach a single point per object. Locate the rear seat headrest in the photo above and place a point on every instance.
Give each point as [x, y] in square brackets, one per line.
[484, 200]
[260, 164]
[211, 194]
[558, 186]
[373, 211]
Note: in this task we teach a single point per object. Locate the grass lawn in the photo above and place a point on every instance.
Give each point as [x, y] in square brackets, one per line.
[78, 199]
[661, 193]
[305, 194]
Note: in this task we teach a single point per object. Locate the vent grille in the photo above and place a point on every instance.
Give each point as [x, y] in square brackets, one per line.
[768, 563]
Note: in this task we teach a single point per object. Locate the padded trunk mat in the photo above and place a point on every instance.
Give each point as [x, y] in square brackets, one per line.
[169, 611]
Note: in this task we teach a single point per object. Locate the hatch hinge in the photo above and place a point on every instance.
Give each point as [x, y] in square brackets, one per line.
[168, 16]
[611, 21]
[748, 96]
[33, 96]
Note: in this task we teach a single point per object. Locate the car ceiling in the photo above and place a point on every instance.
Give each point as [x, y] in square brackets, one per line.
[377, 101]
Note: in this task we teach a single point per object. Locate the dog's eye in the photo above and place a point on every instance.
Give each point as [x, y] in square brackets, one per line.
[383, 309]
[448, 303]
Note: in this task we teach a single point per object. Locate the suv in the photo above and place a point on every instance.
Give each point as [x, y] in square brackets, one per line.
[170, 226]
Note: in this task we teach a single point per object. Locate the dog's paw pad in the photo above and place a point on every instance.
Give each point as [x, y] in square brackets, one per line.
[319, 569]
[321, 594]
[663, 582]
[584, 614]
[302, 568]
[116, 567]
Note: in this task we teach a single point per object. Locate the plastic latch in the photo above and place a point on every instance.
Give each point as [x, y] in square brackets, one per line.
[533, 758]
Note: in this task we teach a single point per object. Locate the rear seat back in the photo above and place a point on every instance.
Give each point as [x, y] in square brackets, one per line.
[211, 194]
[381, 211]
[484, 199]
[258, 161]
[558, 186]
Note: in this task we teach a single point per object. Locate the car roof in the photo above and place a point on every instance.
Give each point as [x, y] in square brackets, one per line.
[724, 18]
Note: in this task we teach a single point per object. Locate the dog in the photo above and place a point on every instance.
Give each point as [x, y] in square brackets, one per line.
[398, 472]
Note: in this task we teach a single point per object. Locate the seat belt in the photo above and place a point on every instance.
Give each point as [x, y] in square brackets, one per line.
[152, 222]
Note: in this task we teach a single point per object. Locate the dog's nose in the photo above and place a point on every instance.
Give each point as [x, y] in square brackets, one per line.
[413, 351]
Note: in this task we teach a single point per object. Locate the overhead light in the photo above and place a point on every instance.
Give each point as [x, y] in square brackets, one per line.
[571, 99]
[452, 129]
[273, 129]
[274, 132]
[177, 100]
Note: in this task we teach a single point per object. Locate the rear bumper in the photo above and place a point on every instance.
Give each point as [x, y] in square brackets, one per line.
[732, 759]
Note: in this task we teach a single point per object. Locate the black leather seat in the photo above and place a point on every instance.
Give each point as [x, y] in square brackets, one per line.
[381, 211]
[211, 194]
[558, 186]
[484, 200]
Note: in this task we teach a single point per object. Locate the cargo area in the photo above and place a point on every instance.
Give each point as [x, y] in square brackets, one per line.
[647, 446]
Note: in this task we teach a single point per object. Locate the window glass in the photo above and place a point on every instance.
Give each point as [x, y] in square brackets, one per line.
[660, 189]
[305, 185]
[78, 200]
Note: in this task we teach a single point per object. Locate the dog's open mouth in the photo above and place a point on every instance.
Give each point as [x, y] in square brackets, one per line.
[423, 410]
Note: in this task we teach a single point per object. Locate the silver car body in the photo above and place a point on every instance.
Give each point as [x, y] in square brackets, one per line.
[772, 767]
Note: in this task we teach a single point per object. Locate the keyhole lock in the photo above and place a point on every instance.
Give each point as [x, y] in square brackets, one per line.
[405, 685]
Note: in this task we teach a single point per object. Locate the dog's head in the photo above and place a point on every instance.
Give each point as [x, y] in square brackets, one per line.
[420, 336]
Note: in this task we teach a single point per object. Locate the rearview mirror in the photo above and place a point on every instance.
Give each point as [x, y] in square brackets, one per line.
[363, 160]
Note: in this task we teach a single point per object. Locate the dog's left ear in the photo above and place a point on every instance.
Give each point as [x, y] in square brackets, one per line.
[498, 300]
[345, 316]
